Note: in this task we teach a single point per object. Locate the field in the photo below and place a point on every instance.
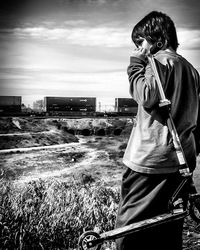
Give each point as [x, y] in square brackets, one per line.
[55, 185]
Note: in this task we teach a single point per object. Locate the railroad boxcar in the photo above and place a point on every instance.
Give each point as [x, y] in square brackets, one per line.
[10, 104]
[70, 105]
[126, 106]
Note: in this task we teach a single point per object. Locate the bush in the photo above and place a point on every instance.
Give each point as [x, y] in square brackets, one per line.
[53, 214]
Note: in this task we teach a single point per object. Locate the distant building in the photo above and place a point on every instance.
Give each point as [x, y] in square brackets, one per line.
[38, 105]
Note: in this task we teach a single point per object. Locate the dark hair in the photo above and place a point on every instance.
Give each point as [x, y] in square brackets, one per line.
[156, 27]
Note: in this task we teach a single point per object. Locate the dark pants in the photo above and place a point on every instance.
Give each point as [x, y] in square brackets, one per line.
[144, 196]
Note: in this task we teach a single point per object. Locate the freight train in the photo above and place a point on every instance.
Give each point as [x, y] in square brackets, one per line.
[70, 105]
[10, 104]
[86, 106]
[67, 106]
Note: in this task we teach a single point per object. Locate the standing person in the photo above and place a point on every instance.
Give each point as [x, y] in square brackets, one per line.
[152, 173]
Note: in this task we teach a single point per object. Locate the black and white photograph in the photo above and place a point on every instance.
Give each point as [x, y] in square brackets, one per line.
[99, 125]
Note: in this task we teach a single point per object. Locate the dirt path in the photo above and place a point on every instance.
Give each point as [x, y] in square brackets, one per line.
[39, 148]
[27, 133]
[96, 158]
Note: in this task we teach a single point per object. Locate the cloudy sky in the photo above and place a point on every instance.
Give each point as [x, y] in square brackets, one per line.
[80, 47]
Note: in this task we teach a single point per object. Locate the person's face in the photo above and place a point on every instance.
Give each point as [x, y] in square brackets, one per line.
[144, 44]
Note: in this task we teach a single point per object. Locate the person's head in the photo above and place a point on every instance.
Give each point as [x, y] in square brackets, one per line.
[156, 27]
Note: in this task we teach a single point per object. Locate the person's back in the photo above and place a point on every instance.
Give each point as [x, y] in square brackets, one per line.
[150, 148]
[182, 88]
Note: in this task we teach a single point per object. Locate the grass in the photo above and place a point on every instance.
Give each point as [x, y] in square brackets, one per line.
[53, 214]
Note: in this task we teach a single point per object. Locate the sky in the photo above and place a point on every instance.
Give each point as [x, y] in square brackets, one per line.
[81, 48]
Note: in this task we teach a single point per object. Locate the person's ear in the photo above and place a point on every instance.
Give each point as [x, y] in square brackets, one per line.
[158, 45]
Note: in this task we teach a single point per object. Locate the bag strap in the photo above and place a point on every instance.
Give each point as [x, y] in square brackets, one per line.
[165, 103]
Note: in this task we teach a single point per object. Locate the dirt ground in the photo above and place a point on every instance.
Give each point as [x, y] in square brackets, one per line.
[55, 148]
[29, 151]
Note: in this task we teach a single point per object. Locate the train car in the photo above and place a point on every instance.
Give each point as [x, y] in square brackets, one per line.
[126, 106]
[70, 105]
[10, 104]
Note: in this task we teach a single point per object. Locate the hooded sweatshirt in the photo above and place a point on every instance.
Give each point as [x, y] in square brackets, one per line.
[150, 147]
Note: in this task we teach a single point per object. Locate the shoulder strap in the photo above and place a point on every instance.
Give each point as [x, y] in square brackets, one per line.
[165, 103]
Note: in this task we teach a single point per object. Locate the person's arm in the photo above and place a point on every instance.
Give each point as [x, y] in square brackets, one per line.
[143, 87]
[197, 132]
[197, 129]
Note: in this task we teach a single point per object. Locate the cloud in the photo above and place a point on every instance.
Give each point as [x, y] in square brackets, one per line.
[58, 76]
[61, 83]
[83, 36]
[98, 36]
[75, 22]
[189, 39]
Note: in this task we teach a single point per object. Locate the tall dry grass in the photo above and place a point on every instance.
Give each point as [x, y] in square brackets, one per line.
[52, 214]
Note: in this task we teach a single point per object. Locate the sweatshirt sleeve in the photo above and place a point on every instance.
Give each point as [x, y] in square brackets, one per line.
[197, 129]
[143, 87]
